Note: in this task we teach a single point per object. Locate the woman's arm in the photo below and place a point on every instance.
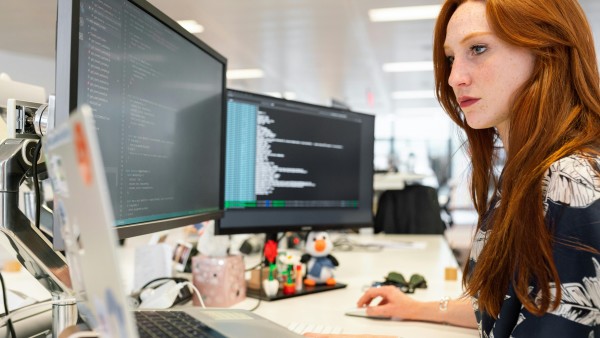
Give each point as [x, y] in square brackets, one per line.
[459, 313]
[394, 303]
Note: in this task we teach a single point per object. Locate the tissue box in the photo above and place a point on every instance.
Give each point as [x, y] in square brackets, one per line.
[220, 280]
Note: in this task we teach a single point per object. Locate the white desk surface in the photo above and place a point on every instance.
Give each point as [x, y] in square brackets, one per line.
[359, 269]
[428, 256]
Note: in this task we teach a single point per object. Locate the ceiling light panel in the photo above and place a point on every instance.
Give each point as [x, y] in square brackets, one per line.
[418, 66]
[413, 94]
[404, 13]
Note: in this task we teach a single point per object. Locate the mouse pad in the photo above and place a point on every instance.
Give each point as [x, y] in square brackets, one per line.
[362, 312]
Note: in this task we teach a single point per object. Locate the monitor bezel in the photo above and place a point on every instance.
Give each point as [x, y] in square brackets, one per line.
[67, 53]
[269, 229]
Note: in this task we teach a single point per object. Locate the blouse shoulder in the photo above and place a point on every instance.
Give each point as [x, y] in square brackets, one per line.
[573, 181]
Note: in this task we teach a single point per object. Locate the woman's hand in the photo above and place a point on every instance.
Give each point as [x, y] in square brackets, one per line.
[394, 303]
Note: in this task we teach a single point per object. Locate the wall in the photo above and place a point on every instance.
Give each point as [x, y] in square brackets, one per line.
[28, 68]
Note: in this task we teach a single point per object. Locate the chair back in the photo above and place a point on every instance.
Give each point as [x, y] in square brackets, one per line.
[412, 210]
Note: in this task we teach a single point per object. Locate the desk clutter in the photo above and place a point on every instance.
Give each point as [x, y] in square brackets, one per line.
[289, 273]
[220, 277]
[416, 281]
[202, 258]
[222, 280]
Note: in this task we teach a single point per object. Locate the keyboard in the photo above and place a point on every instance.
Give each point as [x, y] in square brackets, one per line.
[159, 324]
[302, 328]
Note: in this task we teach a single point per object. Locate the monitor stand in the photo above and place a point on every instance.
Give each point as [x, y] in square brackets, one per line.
[306, 290]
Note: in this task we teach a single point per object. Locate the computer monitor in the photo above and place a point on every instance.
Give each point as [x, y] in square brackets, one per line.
[293, 166]
[158, 98]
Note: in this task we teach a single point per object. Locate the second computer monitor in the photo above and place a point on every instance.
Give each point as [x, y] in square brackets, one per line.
[295, 166]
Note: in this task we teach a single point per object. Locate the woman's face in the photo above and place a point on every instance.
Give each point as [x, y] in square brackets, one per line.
[486, 71]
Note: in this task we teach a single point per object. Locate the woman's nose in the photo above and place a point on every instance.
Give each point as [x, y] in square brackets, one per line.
[459, 75]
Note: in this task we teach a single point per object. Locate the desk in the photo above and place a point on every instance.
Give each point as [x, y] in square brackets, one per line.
[358, 269]
[428, 255]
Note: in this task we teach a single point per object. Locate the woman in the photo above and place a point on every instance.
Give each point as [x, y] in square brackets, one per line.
[523, 73]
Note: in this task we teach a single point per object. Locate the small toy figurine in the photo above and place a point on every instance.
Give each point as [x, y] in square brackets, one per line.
[290, 260]
[271, 285]
[319, 262]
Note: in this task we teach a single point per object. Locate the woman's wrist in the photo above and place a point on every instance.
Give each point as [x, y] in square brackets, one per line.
[435, 311]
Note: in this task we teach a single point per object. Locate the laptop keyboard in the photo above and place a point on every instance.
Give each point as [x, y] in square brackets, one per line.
[302, 328]
[163, 324]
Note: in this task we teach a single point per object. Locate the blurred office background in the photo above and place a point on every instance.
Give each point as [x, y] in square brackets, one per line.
[343, 52]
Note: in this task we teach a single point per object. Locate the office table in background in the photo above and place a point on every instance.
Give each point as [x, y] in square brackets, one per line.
[394, 181]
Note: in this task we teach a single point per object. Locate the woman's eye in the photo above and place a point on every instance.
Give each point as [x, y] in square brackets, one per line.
[478, 49]
[450, 60]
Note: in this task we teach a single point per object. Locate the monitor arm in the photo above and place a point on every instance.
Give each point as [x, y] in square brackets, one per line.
[28, 244]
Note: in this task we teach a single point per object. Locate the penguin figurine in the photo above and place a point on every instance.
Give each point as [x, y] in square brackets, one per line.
[319, 262]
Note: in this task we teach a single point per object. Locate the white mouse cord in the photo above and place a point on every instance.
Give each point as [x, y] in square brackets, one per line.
[196, 291]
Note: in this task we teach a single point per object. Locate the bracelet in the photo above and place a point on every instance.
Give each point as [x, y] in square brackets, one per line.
[444, 303]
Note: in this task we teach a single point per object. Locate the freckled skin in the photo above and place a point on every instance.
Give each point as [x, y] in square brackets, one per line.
[491, 72]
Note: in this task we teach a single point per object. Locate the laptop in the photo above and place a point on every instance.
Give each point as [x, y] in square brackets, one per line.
[77, 173]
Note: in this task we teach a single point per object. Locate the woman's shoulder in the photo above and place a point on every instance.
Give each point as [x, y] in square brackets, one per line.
[573, 180]
[577, 158]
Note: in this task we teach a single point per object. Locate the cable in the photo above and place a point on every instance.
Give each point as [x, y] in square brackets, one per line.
[136, 294]
[6, 311]
[36, 183]
[196, 291]
[260, 277]
[257, 265]
[176, 279]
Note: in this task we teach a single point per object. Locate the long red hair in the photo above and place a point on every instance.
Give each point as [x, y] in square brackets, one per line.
[556, 113]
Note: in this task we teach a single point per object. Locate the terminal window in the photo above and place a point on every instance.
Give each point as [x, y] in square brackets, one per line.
[290, 156]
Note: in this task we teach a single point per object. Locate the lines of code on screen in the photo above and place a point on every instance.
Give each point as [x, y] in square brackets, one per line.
[286, 156]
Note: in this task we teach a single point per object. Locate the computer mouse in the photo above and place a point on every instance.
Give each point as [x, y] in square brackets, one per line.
[362, 312]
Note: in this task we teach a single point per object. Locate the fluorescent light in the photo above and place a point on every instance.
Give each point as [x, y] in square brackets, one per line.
[238, 74]
[191, 26]
[404, 13]
[420, 112]
[413, 94]
[418, 66]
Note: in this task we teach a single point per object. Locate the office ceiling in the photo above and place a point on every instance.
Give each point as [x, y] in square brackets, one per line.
[318, 50]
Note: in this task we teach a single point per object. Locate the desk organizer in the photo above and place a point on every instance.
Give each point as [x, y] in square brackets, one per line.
[220, 280]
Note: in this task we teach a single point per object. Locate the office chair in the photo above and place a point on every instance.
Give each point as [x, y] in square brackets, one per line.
[412, 210]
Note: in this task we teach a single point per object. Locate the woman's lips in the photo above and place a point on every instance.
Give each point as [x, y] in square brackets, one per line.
[465, 101]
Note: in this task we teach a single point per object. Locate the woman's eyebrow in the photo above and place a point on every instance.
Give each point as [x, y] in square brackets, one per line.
[468, 37]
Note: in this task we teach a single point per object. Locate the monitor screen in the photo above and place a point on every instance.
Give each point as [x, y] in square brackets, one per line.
[295, 166]
[158, 98]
